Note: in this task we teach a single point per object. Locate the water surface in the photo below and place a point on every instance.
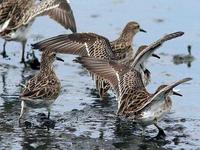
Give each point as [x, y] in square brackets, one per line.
[82, 120]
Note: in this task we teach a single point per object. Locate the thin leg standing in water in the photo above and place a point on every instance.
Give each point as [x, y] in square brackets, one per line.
[23, 51]
[4, 50]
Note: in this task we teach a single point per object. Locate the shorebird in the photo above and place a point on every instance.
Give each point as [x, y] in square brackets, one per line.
[17, 16]
[183, 58]
[43, 89]
[91, 44]
[134, 101]
[78, 43]
[124, 44]
[143, 53]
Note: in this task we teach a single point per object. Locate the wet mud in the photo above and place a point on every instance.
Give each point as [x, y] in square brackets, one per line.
[79, 119]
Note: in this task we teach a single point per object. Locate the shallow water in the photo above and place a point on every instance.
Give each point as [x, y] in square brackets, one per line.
[82, 120]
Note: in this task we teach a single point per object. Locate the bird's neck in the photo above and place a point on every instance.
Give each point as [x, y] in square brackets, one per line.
[46, 67]
[127, 36]
[189, 52]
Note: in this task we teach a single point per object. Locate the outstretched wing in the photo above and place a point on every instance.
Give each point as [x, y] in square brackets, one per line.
[59, 10]
[108, 70]
[126, 82]
[6, 8]
[82, 44]
[63, 14]
[116, 74]
[160, 95]
[149, 50]
[12, 12]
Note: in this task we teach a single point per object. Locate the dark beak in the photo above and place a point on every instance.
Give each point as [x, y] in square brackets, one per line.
[176, 93]
[59, 59]
[141, 30]
[156, 56]
[141, 67]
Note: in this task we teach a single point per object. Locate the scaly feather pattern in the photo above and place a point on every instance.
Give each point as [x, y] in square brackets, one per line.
[90, 44]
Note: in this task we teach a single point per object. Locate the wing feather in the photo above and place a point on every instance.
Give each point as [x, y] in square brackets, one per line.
[59, 10]
[147, 52]
[40, 87]
[82, 44]
[63, 14]
[160, 95]
[109, 70]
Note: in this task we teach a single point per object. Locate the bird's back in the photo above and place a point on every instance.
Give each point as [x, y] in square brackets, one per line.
[42, 86]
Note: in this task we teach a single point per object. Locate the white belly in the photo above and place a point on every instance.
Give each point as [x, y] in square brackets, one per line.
[154, 112]
[38, 103]
[21, 34]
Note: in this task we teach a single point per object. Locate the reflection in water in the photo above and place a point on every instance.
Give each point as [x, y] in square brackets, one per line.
[8, 96]
[32, 61]
[11, 77]
[37, 139]
[3, 75]
[184, 59]
[126, 128]
[128, 134]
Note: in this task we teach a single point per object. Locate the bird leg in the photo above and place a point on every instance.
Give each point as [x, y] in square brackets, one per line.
[23, 51]
[4, 50]
[161, 133]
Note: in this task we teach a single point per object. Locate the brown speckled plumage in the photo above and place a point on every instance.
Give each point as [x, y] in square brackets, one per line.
[90, 44]
[42, 89]
[16, 17]
[123, 46]
[134, 101]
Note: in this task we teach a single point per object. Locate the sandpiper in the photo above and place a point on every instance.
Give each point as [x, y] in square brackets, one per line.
[91, 44]
[80, 42]
[43, 89]
[144, 52]
[16, 17]
[124, 44]
[134, 101]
